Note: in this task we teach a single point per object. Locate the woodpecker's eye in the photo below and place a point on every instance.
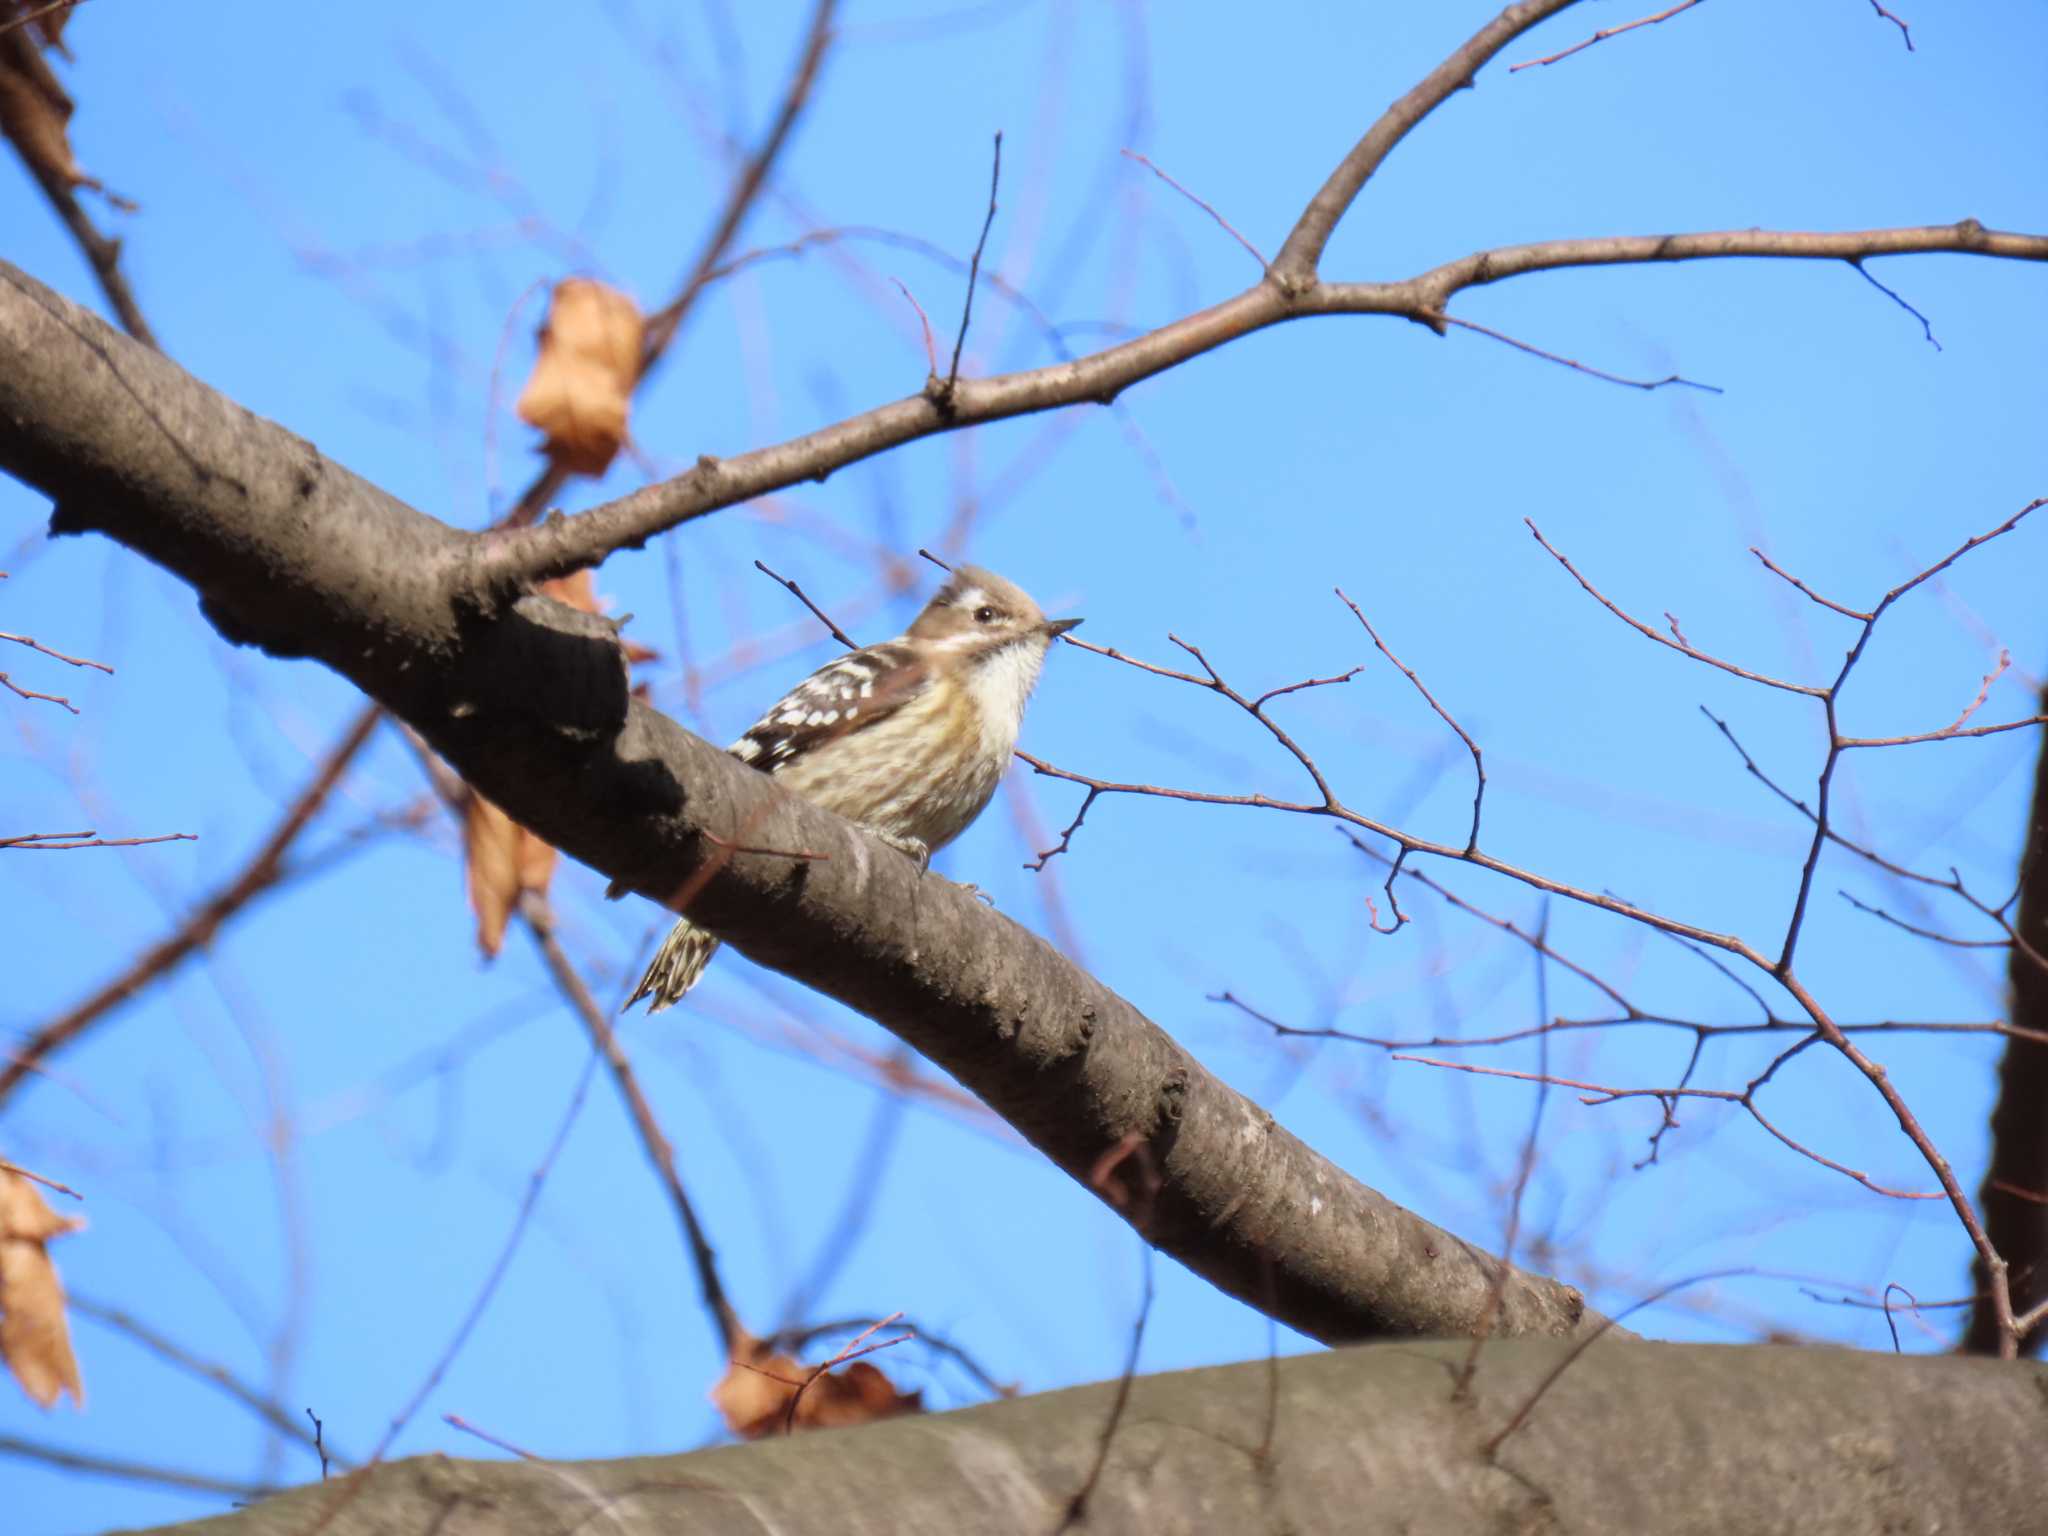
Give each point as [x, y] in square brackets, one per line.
[984, 615]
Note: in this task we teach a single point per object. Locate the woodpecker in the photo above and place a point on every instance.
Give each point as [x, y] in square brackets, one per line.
[909, 738]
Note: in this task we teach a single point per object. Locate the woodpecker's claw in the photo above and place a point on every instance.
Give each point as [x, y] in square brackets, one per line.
[914, 847]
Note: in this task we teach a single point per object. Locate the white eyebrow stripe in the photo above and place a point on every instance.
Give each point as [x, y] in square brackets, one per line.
[972, 597]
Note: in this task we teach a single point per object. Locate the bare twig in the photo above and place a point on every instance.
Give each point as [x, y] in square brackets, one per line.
[37, 14]
[260, 874]
[1521, 1414]
[1905, 32]
[798, 593]
[320, 1444]
[1784, 575]
[60, 841]
[1648, 632]
[1525, 1166]
[1228, 228]
[211, 1371]
[1077, 1507]
[1471, 746]
[853, 1349]
[42, 649]
[7, 1166]
[1926, 325]
[148, 1473]
[1438, 319]
[34, 696]
[931, 356]
[995, 179]
[533, 908]
[1602, 35]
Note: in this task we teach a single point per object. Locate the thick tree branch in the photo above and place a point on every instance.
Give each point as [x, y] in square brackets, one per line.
[530, 701]
[1295, 266]
[1685, 1440]
[2014, 1195]
[503, 561]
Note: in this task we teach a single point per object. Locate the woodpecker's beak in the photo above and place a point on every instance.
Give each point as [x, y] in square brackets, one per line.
[1057, 627]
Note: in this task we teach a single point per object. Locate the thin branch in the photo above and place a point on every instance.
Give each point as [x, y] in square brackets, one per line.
[1471, 746]
[34, 696]
[1227, 227]
[1679, 646]
[1438, 320]
[1826, 602]
[493, 1277]
[1303, 251]
[1521, 1414]
[931, 356]
[260, 874]
[7, 1166]
[798, 593]
[1926, 325]
[995, 181]
[1601, 36]
[558, 547]
[660, 1150]
[1596, 1094]
[1947, 733]
[37, 14]
[1905, 32]
[210, 1371]
[144, 1472]
[792, 1340]
[854, 1349]
[57, 842]
[42, 649]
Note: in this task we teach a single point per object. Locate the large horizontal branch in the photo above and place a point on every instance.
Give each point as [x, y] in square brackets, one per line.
[501, 562]
[529, 700]
[1685, 1440]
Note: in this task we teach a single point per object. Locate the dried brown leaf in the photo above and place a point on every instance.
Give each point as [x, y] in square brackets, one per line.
[755, 1392]
[35, 112]
[35, 1339]
[504, 860]
[581, 388]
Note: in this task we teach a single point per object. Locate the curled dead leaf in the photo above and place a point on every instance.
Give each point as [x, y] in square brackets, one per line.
[505, 861]
[35, 109]
[754, 1394]
[581, 387]
[35, 1338]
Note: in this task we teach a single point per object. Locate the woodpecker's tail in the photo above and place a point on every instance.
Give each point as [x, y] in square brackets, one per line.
[676, 967]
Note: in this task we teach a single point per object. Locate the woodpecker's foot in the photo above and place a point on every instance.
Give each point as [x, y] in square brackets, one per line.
[915, 847]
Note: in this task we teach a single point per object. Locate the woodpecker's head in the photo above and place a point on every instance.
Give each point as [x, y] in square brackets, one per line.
[978, 613]
[989, 634]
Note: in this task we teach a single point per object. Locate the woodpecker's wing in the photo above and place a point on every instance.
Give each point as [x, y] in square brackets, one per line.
[841, 697]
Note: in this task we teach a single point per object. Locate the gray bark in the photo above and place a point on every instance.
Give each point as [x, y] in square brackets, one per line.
[2014, 1194]
[529, 700]
[1676, 1439]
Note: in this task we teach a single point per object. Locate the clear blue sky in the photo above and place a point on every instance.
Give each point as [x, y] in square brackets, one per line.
[343, 214]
